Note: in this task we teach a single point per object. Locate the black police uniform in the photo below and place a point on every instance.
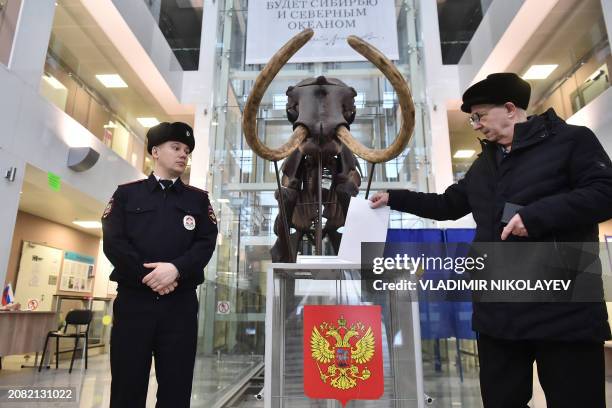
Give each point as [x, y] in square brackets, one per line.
[145, 223]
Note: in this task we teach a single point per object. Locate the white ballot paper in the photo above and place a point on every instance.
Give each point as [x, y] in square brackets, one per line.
[363, 224]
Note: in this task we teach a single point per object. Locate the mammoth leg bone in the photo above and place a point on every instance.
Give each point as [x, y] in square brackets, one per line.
[345, 184]
[289, 254]
[291, 184]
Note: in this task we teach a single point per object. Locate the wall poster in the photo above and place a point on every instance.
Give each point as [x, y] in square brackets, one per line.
[77, 272]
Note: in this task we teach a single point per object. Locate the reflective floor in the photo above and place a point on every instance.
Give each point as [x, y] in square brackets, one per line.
[214, 377]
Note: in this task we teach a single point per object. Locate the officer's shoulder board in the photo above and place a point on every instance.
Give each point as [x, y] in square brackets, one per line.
[211, 213]
[133, 182]
[187, 186]
[109, 206]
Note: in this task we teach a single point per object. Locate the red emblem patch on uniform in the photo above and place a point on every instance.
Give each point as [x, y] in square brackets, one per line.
[211, 215]
[108, 209]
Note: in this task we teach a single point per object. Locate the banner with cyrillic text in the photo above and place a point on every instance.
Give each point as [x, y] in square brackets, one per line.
[271, 23]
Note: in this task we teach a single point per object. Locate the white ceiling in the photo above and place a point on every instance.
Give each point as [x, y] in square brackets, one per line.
[62, 207]
[567, 33]
[81, 44]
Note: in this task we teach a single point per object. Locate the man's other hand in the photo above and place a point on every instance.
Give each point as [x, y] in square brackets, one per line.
[514, 227]
[162, 276]
[380, 199]
[168, 289]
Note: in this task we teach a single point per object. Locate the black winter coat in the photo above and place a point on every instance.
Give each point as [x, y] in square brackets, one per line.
[562, 176]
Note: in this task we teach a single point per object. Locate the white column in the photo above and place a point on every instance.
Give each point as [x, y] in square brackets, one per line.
[155, 7]
[32, 39]
[443, 92]
[198, 88]
[484, 4]
[200, 158]
[9, 191]
[606, 6]
[442, 85]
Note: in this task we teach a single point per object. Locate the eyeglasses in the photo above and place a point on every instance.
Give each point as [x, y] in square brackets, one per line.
[475, 118]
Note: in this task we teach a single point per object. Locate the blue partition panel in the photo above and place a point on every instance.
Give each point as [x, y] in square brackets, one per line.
[439, 319]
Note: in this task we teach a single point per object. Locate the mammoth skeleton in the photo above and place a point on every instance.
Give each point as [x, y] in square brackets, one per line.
[321, 147]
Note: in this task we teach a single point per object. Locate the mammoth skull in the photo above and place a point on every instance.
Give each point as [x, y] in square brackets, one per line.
[320, 126]
[321, 105]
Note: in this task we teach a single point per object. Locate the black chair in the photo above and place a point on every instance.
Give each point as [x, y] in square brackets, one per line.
[76, 318]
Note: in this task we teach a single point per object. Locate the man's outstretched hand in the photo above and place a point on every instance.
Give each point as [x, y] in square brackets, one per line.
[380, 199]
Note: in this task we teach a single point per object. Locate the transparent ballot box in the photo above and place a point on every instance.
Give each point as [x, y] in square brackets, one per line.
[291, 355]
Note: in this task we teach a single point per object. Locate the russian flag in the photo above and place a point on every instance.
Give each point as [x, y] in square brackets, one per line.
[7, 295]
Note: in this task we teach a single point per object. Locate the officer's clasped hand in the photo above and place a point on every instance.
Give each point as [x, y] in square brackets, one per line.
[380, 199]
[163, 277]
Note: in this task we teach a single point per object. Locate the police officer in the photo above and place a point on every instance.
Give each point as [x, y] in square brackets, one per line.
[159, 234]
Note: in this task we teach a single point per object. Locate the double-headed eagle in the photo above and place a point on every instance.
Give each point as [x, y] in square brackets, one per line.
[344, 357]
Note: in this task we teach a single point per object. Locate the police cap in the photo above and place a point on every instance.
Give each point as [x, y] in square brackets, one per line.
[165, 132]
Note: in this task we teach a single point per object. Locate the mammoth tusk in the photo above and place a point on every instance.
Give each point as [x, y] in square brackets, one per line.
[371, 155]
[405, 101]
[249, 117]
[296, 139]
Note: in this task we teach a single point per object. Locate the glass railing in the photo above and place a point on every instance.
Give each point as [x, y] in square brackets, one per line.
[88, 78]
[9, 15]
[567, 68]
[587, 78]
[574, 60]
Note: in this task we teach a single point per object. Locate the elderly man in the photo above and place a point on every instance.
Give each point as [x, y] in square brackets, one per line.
[557, 181]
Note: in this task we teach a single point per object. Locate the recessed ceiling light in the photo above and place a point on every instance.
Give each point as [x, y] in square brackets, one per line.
[112, 81]
[539, 71]
[148, 122]
[88, 224]
[53, 81]
[464, 154]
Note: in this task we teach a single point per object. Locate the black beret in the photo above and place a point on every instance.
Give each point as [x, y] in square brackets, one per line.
[498, 89]
[165, 132]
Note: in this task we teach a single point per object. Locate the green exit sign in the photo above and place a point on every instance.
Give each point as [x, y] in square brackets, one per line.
[54, 181]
